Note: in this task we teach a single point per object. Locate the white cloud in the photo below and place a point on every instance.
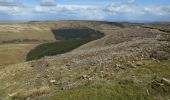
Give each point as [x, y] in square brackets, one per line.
[160, 11]
[89, 12]
[134, 10]
[86, 11]
[123, 9]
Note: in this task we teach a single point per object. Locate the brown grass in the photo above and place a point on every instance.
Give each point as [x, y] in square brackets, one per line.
[14, 53]
[30, 93]
[39, 35]
[29, 36]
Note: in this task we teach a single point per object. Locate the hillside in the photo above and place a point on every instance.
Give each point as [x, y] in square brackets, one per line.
[131, 62]
[26, 36]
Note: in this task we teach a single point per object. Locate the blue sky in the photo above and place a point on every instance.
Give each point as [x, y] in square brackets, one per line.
[104, 10]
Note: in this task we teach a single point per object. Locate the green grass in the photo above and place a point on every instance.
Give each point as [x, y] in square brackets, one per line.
[161, 69]
[102, 91]
[131, 84]
[69, 40]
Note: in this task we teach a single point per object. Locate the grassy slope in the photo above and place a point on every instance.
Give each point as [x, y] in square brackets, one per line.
[131, 84]
[14, 53]
[22, 31]
[38, 35]
[16, 40]
[108, 81]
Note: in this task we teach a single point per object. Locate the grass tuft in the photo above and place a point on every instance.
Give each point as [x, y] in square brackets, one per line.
[30, 93]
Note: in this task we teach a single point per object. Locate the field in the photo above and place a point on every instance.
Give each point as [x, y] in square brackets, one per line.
[16, 40]
[130, 62]
[14, 53]
[26, 36]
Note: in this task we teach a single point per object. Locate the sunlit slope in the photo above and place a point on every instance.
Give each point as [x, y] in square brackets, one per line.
[128, 63]
[14, 53]
[16, 40]
[25, 32]
[35, 33]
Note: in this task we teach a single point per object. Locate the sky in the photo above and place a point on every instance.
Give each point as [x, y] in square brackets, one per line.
[102, 10]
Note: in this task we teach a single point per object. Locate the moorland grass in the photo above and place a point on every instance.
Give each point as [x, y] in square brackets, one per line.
[131, 84]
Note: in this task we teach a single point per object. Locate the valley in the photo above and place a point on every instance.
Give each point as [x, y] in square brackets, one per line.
[121, 61]
[68, 39]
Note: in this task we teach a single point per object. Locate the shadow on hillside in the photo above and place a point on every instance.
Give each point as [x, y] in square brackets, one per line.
[76, 33]
[54, 31]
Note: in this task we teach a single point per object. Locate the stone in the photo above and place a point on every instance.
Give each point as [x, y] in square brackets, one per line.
[52, 81]
[90, 79]
[118, 65]
[85, 76]
[139, 63]
[166, 81]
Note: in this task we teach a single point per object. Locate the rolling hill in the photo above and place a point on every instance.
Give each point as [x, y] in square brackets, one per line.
[131, 62]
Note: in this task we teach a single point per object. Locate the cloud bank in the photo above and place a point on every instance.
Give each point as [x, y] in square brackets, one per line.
[88, 12]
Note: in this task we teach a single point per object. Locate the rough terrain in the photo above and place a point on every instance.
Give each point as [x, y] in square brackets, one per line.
[131, 62]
